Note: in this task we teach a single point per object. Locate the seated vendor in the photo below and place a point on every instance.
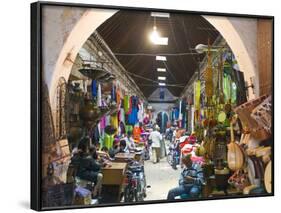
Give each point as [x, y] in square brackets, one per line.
[88, 168]
[190, 182]
[114, 149]
[104, 152]
[95, 169]
[123, 148]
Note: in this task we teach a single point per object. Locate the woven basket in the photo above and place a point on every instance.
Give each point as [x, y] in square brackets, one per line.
[244, 112]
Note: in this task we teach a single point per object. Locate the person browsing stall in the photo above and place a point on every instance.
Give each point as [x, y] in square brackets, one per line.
[130, 141]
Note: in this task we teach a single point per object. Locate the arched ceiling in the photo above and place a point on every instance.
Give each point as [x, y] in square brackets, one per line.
[127, 32]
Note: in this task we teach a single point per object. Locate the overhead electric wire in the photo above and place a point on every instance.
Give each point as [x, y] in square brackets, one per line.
[155, 54]
[169, 72]
[203, 25]
[188, 38]
[153, 81]
[177, 46]
[167, 85]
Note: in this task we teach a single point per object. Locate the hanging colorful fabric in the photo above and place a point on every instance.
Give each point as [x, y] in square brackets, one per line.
[103, 122]
[209, 79]
[107, 141]
[227, 88]
[129, 128]
[133, 112]
[111, 140]
[99, 95]
[133, 116]
[114, 121]
[180, 110]
[126, 103]
[136, 133]
[113, 93]
[233, 93]
[140, 112]
[220, 80]
[122, 115]
[118, 97]
[197, 93]
[94, 88]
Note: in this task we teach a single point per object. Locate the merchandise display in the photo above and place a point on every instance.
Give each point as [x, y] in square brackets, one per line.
[141, 106]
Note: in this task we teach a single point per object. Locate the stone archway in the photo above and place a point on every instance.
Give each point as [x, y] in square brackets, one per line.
[239, 34]
[83, 24]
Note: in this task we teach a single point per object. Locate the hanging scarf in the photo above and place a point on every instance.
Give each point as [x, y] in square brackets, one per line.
[99, 96]
[94, 88]
[113, 93]
[126, 104]
[227, 87]
[114, 121]
[197, 91]
[180, 110]
[118, 98]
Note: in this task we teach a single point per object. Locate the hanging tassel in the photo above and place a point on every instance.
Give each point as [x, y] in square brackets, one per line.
[99, 95]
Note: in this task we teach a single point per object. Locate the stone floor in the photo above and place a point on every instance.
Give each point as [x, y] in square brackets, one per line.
[160, 177]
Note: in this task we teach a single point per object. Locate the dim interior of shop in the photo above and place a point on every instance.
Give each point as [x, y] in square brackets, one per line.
[157, 107]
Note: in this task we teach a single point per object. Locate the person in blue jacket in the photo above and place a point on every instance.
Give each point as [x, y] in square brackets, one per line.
[190, 182]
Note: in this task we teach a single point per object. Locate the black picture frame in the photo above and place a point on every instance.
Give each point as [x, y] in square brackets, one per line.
[36, 97]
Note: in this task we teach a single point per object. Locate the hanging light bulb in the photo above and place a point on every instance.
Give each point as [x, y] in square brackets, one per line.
[154, 36]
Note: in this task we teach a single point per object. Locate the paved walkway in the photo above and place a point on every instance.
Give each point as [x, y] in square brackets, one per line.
[160, 177]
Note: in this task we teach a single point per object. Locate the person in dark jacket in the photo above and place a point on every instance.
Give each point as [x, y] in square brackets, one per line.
[191, 180]
[88, 167]
[114, 149]
[123, 148]
[95, 168]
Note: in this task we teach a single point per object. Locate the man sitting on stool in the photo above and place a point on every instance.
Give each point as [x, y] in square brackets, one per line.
[88, 167]
[190, 182]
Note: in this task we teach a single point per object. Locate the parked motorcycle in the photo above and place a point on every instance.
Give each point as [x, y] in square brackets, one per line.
[169, 134]
[173, 156]
[135, 183]
[146, 149]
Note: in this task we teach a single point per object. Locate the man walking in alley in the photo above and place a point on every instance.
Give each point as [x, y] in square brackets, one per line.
[156, 138]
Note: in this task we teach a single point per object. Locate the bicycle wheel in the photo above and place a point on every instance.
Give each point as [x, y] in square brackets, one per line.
[170, 158]
[128, 195]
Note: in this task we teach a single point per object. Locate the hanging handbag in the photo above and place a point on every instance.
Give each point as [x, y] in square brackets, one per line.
[244, 112]
[262, 114]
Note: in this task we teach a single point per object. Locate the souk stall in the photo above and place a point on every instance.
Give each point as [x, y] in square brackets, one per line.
[233, 133]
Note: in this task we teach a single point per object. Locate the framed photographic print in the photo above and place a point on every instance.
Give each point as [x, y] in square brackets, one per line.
[144, 105]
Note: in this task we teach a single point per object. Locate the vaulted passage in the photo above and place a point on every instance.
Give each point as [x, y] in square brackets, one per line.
[152, 99]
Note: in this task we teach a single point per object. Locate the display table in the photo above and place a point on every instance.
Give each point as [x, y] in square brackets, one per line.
[124, 157]
[113, 179]
[114, 175]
